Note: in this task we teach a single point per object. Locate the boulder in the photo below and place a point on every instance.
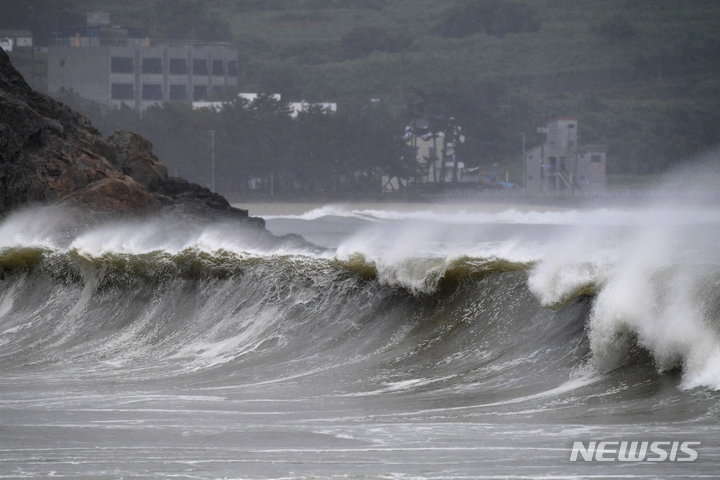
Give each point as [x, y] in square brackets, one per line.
[111, 195]
[134, 157]
[193, 198]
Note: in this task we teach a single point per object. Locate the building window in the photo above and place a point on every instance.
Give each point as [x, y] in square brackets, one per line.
[152, 65]
[200, 67]
[572, 125]
[151, 91]
[218, 89]
[218, 68]
[178, 92]
[200, 92]
[529, 177]
[121, 65]
[232, 68]
[122, 91]
[596, 158]
[529, 157]
[178, 66]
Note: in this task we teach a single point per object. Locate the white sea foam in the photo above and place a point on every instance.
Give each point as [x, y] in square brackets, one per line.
[656, 284]
[641, 264]
[36, 227]
[467, 215]
[645, 294]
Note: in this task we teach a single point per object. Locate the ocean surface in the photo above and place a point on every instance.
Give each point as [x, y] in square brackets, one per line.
[422, 343]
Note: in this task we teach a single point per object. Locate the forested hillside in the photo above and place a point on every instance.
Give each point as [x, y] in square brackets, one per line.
[642, 75]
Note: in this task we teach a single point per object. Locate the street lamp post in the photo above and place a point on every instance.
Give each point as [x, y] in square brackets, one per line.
[212, 156]
[32, 47]
[524, 173]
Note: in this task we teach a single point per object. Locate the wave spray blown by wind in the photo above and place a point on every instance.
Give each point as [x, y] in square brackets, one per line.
[426, 315]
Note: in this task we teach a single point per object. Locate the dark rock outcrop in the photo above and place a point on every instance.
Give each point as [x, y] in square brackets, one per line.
[111, 195]
[134, 157]
[50, 154]
[194, 198]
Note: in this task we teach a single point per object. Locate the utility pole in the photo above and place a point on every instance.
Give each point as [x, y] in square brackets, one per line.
[573, 176]
[212, 156]
[402, 62]
[524, 173]
[542, 168]
[659, 40]
[32, 47]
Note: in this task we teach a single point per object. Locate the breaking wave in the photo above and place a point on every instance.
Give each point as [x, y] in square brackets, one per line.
[394, 308]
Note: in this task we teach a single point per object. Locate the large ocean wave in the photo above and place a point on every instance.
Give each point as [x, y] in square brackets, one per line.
[472, 309]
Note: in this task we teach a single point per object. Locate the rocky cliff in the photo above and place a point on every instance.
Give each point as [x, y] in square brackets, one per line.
[51, 154]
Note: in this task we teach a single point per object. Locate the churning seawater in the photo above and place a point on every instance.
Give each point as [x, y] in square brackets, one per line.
[444, 343]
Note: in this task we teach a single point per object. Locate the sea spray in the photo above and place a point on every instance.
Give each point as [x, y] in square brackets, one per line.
[192, 348]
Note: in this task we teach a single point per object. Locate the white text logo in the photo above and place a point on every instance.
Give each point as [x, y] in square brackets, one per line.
[634, 451]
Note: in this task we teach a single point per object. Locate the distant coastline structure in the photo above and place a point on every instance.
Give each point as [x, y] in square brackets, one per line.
[10, 39]
[113, 65]
[559, 165]
[435, 156]
[295, 107]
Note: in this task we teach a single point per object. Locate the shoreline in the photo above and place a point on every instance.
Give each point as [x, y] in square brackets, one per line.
[488, 203]
[301, 208]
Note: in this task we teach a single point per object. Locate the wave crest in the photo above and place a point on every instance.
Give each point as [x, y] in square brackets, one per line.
[428, 275]
[416, 275]
[672, 313]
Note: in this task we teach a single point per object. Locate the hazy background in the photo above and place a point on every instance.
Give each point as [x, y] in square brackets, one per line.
[641, 75]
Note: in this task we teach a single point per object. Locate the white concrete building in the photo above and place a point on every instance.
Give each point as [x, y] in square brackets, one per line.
[298, 107]
[10, 39]
[559, 165]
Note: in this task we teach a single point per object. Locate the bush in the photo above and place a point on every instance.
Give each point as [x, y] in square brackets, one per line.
[493, 17]
[683, 57]
[362, 41]
[180, 19]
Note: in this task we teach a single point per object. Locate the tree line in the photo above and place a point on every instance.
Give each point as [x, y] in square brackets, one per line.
[260, 148]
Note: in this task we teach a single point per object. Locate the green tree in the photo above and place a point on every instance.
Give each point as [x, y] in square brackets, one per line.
[42, 17]
[493, 17]
[187, 19]
[362, 41]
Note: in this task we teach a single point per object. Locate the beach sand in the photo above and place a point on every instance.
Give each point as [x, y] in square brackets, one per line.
[280, 208]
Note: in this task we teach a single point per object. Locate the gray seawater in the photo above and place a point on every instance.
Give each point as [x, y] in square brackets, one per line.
[419, 345]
